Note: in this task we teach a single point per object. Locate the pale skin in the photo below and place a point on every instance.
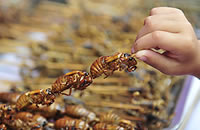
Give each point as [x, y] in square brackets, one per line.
[168, 29]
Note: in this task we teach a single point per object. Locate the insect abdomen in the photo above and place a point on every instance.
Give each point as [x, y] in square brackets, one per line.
[60, 84]
[22, 101]
[97, 67]
[69, 123]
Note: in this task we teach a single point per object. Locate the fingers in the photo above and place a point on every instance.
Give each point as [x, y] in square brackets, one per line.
[165, 10]
[168, 29]
[158, 61]
[158, 39]
[163, 20]
[153, 23]
[170, 22]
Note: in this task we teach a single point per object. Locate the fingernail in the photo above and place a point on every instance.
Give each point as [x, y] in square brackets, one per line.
[141, 55]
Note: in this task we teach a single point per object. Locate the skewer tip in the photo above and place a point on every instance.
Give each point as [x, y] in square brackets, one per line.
[133, 55]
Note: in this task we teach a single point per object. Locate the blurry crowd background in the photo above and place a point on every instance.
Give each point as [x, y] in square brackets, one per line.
[43, 39]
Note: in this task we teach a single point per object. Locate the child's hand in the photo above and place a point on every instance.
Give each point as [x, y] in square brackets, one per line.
[167, 28]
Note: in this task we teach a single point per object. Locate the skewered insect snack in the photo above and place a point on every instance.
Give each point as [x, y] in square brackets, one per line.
[108, 64]
[44, 97]
[75, 79]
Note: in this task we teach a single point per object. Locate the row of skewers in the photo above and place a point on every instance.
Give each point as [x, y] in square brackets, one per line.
[70, 117]
[76, 79]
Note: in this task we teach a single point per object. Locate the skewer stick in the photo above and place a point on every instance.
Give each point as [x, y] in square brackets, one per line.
[133, 55]
[134, 118]
[114, 105]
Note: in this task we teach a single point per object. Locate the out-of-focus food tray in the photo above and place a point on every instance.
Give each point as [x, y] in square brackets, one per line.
[180, 105]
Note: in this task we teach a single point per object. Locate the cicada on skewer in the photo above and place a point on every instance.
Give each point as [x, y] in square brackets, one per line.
[108, 64]
[75, 79]
[41, 96]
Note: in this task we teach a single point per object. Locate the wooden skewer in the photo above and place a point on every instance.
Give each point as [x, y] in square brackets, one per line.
[108, 88]
[134, 118]
[133, 55]
[111, 80]
[114, 105]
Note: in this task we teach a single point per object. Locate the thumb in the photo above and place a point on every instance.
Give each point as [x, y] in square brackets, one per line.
[158, 61]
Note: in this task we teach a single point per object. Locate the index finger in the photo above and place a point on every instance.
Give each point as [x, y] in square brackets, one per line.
[158, 39]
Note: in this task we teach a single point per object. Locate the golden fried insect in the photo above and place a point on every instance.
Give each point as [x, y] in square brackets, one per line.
[127, 124]
[104, 126]
[46, 111]
[18, 124]
[29, 117]
[109, 118]
[4, 108]
[75, 79]
[112, 118]
[108, 64]
[8, 117]
[78, 111]
[42, 96]
[6, 112]
[40, 119]
[9, 97]
[24, 116]
[69, 123]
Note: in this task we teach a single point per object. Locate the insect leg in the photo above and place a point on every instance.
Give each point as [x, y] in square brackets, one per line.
[112, 58]
[70, 91]
[132, 68]
[107, 73]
